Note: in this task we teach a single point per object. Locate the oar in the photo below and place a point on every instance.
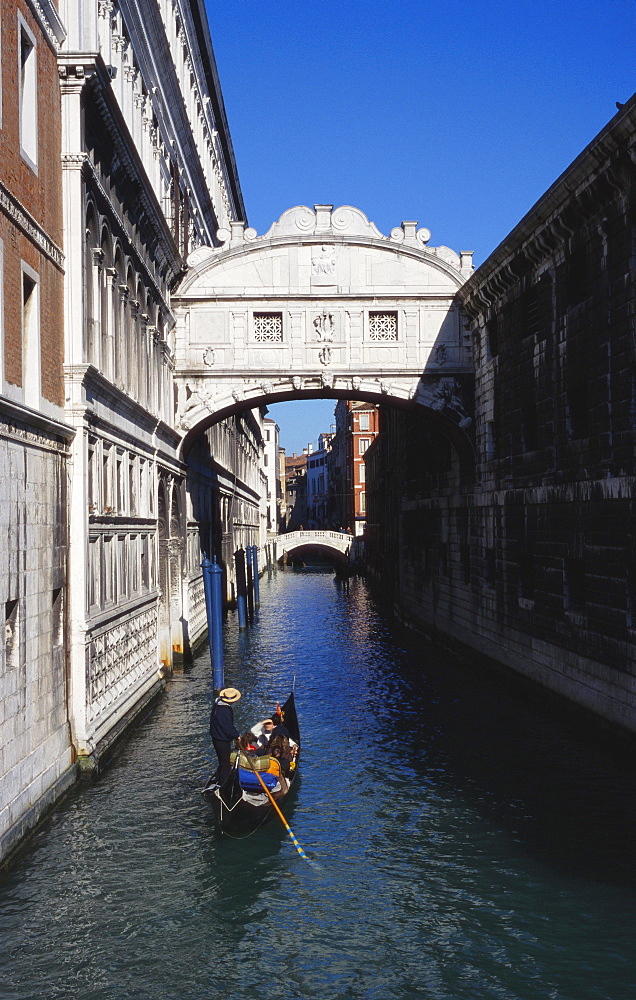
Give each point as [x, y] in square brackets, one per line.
[281, 817]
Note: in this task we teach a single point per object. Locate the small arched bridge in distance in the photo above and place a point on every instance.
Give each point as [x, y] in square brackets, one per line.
[335, 541]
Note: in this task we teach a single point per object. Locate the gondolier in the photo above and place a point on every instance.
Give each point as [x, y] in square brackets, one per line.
[223, 730]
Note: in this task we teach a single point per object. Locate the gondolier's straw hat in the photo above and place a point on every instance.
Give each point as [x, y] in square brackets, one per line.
[229, 695]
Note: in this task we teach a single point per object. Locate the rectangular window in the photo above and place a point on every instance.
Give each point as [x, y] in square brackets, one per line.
[57, 618]
[363, 502]
[93, 573]
[109, 570]
[11, 634]
[363, 472]
[145, 567]
[119, 478]
[122, 558]
[31, 367]
[107, 480]
[365, 419]
[134, 565]
[363, 444]
[132, 486]
[490, 440]
[92, 497]
[268, 328]
[28, 95]
[383, 326]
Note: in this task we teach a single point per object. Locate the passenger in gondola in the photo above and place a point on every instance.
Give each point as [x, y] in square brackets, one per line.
[223, 731]
[278, 728]
[279, 761]
[280, 750]
[247, 744]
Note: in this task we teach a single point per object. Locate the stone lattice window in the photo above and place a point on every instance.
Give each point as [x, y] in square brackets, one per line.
[383, 326]
[268, 327]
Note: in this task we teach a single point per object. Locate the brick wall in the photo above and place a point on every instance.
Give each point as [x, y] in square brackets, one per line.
[40, 193]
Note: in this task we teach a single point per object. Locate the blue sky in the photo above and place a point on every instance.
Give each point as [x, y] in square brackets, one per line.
[459, 115]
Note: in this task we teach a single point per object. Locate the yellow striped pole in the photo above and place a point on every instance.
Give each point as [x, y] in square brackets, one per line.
[282, 818]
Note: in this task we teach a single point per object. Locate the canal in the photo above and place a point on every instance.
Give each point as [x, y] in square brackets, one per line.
[468, 843]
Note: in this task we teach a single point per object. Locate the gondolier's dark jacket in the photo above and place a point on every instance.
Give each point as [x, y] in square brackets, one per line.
[222, 722]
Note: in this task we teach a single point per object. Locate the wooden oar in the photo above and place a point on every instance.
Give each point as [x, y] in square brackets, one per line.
[281, 817]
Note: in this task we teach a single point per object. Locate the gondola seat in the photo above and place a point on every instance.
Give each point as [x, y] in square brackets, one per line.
[249, 781]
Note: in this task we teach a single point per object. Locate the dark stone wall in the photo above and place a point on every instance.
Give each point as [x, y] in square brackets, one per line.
[530, 559]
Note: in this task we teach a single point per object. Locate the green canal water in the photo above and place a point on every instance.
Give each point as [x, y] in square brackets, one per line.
[469, 843]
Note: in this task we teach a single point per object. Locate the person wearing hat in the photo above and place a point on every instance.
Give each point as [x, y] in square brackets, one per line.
[223, 730]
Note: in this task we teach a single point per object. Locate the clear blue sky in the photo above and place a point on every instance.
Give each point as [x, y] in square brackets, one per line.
[459, 115]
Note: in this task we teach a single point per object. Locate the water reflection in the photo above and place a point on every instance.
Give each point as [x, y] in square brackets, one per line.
[471, 844]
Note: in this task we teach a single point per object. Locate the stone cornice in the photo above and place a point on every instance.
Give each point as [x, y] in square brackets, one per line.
[49, 20]
[120, 402]
[552, 220]
[26, 415]
[17, 213]
[152, 51]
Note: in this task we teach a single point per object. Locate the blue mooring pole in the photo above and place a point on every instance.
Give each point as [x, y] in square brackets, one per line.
[250, 580]
[239, 561]
[213, 589]
[257, 586]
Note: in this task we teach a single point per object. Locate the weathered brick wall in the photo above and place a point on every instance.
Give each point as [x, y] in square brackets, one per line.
[40, 193]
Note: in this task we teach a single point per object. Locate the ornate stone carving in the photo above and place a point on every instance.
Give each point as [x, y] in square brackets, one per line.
[445, 396]
[326, 380]
[324, 263]
[325, 356]
[267, 388]
[208, 357]
[324, 326]
[441, 354]
[297, 382]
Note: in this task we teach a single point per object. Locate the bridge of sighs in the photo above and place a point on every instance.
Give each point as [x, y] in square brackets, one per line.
[322, 305]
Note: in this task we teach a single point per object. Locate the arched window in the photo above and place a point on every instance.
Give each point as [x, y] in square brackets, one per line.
[119, 296]
[105, 279]
[91, 288]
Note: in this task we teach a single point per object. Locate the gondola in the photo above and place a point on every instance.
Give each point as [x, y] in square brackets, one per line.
[239, 808]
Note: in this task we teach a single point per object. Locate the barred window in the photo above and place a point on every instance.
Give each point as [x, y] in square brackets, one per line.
[383, 326]
[268, 327]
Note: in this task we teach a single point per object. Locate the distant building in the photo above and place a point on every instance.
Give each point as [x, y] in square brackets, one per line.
[318, 484]
[274, 486]
[296, 490]
[356, 428]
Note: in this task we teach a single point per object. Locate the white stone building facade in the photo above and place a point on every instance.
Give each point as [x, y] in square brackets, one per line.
[148, 176]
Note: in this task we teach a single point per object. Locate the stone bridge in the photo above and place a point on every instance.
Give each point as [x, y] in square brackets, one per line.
[335, 540]
[322, 305]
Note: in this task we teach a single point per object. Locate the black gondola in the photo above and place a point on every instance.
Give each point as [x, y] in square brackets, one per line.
[246, 808]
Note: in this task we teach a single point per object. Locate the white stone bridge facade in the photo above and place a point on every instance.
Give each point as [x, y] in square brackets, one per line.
[322, 305]
[336, 541]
